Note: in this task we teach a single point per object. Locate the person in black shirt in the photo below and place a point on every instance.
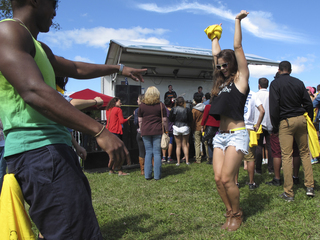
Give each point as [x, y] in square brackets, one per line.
[288, 101]
[170, 94]
[199, 92]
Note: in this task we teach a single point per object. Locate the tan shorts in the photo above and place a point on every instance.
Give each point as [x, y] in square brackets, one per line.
[251, 152]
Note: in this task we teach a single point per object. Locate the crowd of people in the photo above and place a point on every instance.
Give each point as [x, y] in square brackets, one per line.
[37, 147]
[236, 124]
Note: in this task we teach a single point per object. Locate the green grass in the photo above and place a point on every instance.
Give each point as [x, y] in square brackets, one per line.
[185, 204]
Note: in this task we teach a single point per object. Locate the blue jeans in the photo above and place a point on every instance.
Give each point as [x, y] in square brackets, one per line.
[153, 147]
[3, 166]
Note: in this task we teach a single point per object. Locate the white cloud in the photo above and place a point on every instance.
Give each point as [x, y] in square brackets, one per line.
[100, 36]
[258, 71]
[84, 15]
[299, 65]
[82, 59]
[258, 23]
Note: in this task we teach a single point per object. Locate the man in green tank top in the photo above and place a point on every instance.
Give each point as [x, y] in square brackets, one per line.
[38, 146]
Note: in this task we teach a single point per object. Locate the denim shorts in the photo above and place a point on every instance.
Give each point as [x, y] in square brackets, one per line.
[238, 139]
[171, 138]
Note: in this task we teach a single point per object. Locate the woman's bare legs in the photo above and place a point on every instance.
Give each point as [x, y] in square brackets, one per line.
[178, 139]
[231, 165]
[217, 163]
[226, 166]
[164, 153]
[185, 146]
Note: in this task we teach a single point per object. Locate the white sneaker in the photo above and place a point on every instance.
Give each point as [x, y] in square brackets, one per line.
[178, 164]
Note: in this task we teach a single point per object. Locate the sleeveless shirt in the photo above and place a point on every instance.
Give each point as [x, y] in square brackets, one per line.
[230, 102]
[25, 128]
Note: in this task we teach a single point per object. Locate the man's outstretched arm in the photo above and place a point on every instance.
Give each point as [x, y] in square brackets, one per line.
[81, 70]
[19, 68]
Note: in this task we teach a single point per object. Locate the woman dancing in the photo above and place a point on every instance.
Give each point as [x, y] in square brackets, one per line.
[230, 92]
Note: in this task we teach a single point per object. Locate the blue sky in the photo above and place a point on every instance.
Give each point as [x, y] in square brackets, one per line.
[278, 30]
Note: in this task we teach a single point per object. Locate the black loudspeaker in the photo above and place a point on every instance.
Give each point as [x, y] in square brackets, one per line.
[128, 95]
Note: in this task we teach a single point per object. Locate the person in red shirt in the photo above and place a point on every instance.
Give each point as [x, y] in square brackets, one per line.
[210, 126]
[114, 124]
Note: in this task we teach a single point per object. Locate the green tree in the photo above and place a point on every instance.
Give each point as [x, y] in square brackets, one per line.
[6, 12]
[5, 9]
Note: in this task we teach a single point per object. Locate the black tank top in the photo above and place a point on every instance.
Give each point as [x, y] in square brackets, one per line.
[229, 102]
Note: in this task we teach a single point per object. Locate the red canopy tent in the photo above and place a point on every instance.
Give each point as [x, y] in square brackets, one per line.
[90, 94]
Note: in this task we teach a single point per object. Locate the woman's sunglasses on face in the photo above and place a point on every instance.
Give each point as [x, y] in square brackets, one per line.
[224, 65]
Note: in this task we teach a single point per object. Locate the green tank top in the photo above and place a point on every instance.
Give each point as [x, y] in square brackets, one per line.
[25, 128]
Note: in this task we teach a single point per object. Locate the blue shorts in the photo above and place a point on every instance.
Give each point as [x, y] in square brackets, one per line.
[57, 191]
[171, 137]
[238, 139]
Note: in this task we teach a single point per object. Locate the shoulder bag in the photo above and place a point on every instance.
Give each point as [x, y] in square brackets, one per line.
[165, 139]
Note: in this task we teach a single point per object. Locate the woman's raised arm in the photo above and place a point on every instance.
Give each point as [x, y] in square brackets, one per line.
[242, 81]
[215, 49]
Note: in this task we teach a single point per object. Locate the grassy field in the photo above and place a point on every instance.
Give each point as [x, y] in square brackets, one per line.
[185, 204]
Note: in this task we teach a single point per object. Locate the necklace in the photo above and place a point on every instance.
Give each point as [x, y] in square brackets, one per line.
[19, 21]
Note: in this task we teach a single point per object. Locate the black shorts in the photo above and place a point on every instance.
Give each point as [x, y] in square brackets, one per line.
[57, 191]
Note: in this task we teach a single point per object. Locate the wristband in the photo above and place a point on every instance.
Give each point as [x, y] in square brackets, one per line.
[96, 102]
[99, 133]
[121, 69]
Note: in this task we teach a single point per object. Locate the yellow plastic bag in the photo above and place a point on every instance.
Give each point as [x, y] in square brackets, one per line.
[312, 137]
[254, 137]
[15, 222]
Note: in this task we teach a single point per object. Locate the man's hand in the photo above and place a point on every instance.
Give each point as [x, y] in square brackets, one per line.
[99, 101]
[114, 147]
[133, 73]
[81, 152]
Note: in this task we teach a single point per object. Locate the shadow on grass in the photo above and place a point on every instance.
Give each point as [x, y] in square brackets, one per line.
[254, 203]
[172, 169]
[133, 224]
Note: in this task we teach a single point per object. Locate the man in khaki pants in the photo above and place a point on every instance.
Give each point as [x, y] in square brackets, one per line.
[288, 101]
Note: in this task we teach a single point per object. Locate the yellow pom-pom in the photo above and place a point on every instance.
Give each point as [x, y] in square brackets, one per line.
[213, 31]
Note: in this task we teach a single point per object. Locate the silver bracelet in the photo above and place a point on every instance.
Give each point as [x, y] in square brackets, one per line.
[121, 69]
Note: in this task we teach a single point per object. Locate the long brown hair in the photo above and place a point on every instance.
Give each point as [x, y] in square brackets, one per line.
[112, 103]
[228, 56]
[180, 102]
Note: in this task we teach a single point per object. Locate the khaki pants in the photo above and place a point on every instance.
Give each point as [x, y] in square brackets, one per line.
[290, 129]
[250, 157]
[197, 143]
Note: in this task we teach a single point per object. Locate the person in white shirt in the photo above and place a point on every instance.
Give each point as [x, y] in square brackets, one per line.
[263, 96]
[252, 124]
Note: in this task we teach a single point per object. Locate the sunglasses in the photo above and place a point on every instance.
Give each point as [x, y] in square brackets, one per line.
[225, 65]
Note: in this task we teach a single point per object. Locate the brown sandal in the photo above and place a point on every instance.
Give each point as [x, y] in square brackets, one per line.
[228, 217]
[235, 221]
